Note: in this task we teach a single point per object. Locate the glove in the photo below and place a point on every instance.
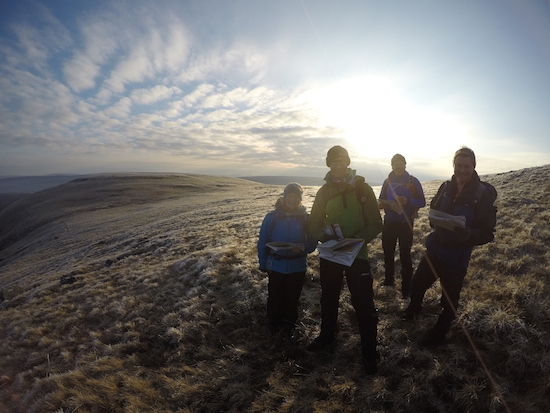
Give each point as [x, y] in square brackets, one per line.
[463, 233]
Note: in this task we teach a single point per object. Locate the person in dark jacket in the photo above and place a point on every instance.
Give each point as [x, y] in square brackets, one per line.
[401, 197]
[347, 201]
[448, 251]
[286, 267]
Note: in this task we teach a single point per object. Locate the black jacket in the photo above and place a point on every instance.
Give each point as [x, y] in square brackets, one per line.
[477, 205]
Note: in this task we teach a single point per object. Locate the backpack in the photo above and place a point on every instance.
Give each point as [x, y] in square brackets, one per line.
[412, 187]
[486, 187]
[416, 195]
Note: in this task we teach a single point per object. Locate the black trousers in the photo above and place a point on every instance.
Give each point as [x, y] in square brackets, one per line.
[391, 233]
[451, 280]
[282, 301]
[359, 280]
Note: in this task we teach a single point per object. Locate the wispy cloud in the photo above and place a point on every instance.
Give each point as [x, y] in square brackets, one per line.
[154, 82]
[154, 94]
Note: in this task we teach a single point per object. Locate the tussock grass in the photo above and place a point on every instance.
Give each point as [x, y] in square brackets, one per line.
[167, 309]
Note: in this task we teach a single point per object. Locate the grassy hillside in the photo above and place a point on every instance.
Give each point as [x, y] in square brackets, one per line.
[137, 293]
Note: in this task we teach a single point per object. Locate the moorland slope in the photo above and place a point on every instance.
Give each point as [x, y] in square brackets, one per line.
[141, 293]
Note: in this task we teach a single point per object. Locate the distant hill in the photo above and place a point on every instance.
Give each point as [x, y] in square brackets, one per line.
[8, 198]
[30, 184]
[283, 180]
[303, 180]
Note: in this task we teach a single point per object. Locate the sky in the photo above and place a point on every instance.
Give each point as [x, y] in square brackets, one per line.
[254, 87]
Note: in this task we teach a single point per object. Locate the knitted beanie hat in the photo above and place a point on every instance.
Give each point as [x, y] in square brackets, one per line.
[294, 187]
[337, 152]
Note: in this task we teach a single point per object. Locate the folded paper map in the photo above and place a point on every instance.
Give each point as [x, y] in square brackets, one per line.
[447, 221]
[342, 251]
[393, 205]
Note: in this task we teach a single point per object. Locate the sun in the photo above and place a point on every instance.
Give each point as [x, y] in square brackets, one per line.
[378, 121]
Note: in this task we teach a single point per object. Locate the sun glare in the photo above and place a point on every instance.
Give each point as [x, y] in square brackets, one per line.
[378, 121]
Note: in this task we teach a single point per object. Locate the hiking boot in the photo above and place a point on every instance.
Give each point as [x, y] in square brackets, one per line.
[370, 366]
[370, 356]
[370, 360]
[320, 343]
[433, 339]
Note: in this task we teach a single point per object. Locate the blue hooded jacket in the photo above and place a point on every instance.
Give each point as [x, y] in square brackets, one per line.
[282, 226]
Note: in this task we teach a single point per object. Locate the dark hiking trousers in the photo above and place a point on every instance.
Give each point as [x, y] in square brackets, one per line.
[282, 301]
[359, 280]
[451, 279]
[391, 233]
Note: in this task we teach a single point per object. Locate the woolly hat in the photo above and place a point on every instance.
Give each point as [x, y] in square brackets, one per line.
[337, 152]
[293, 187]
[398, 157]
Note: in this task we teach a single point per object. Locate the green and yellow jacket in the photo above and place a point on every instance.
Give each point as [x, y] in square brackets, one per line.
[352, 205]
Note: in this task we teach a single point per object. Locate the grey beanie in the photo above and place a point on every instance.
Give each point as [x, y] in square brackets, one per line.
[294, 187]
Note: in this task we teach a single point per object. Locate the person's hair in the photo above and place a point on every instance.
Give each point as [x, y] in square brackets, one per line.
[465, 151]
[398, 157]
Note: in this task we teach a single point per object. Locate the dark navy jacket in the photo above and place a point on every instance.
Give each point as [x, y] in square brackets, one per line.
[480, 214]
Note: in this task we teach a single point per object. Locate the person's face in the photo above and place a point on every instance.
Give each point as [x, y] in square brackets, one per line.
[398, 167]
[339, 167]
[292, 201]
[463, 169]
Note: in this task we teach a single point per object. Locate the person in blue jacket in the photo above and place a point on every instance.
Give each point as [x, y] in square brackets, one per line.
[286, 268]
[448, 251]
[405, 190]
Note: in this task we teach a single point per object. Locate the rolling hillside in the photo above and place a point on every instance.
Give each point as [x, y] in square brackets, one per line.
[138, 292]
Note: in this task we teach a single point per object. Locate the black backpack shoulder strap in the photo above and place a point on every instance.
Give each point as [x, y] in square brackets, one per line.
[273, 223]
[412, 187]
[436, 201]
[360, 190]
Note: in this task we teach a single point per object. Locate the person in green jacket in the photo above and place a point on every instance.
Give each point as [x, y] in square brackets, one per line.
[346, 200]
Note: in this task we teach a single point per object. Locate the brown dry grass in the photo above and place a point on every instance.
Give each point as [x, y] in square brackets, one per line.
[166, 313]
